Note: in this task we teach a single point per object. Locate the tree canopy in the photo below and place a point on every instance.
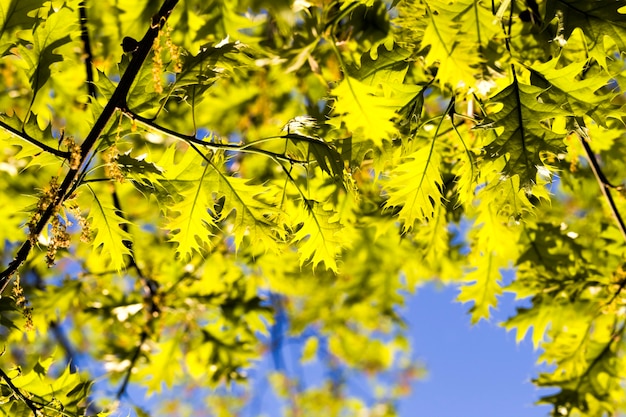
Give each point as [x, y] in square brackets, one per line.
[186, 185]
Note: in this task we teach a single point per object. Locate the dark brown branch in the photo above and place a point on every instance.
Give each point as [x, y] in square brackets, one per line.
[16, 391]
[605, 185]
[117, 100]
[149, 286]
[22, 135]
[84, 36]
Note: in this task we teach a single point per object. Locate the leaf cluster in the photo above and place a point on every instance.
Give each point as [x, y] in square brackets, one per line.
[190, 184]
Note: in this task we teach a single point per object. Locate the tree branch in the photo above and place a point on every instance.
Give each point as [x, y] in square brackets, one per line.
[16, 391]
[149, 285]
[605, 185]
[117, 100]
[22, 135]
[226, 146]
[133, 362]
[84, 36]
[150, 289]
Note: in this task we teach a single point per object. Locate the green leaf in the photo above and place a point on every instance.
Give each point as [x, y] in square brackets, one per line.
[161, 372]
[521, 137]
[137, 166]
[207, 196]
[415, 186]
[40, 51]
[483, 287]
[597, 19]
[254, 207]
[309, 351]
[310, 148]
[66, 392]
[319, 235]
[366, 110]
[574, 86]
[199, 72]
[15, 14]
[8, 306]
[388, 67]
[37, 157]
[191, 226]
[108, 236]
[478, 22]
[447, 46]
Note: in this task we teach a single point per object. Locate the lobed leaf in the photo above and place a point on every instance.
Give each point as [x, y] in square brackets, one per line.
[597, 19]
[524, 141]
[319, 235]
[415, 187]
[108, 236]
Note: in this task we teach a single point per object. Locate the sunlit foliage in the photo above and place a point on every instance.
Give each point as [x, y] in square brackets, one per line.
[188, 185]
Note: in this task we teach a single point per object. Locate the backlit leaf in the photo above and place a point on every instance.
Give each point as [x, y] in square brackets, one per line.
[415, 186]
[521, 136]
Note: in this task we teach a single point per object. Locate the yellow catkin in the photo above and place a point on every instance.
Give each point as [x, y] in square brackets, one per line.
[74, 150]
[157, 64]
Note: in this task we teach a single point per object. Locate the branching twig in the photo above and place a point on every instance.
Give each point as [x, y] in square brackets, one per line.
[605, 185]
[150, 288]
[117, 100]
[133, 361]
[16, 391]
[22, 135]
[225, 146]
[149, 285]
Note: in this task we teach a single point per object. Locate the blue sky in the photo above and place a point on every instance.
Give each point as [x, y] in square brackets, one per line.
[473, 371]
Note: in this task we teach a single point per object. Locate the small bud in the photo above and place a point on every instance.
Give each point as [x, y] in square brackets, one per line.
[129, 45]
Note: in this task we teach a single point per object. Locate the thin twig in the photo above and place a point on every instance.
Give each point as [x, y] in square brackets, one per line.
[133, 362]
[16, 391]
[150, 288]
[605, 185]
[117, 100]
[225, 146]
[24, 136]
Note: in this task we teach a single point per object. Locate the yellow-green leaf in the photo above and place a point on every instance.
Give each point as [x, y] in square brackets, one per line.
[415, 187]
[319, 235]
[108, 236]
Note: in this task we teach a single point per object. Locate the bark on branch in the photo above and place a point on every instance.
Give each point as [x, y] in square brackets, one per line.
[117, 101]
